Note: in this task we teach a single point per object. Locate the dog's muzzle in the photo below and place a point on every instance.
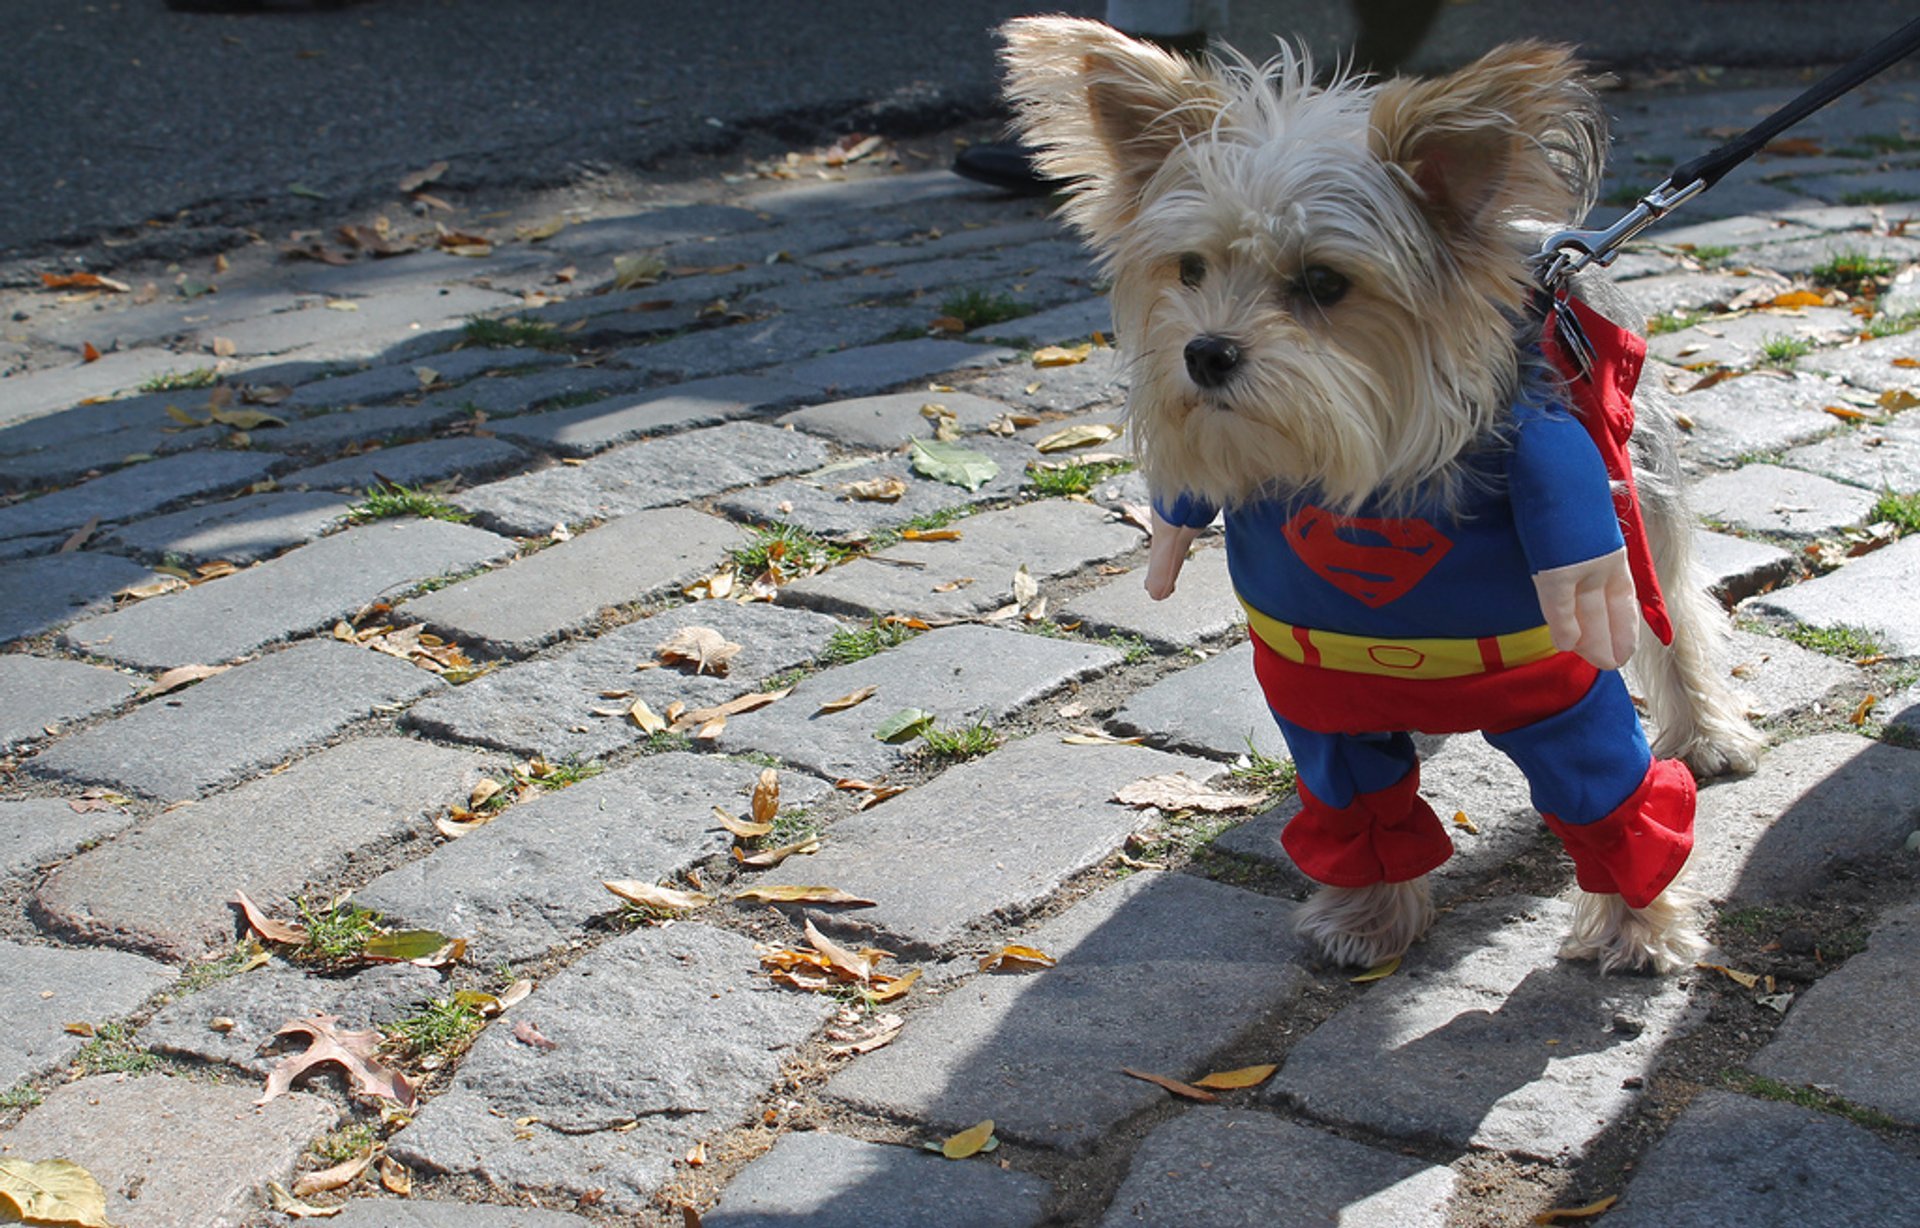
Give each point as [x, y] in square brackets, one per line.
[1211, 360]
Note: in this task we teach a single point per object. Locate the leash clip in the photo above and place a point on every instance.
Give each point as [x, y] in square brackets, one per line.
[1571, 251]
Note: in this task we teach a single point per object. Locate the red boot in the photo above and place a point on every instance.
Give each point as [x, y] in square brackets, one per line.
[1636, 850]
[1390, 835]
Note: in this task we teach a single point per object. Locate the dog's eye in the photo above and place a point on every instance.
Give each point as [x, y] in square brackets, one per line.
[1193, 269]
[1321, 286]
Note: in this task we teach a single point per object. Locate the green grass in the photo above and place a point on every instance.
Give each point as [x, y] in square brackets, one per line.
[347, 1143]
[1271, 776]
[1135, 649]
[1708, 253]
[1073, 478]
[966, 742]
[114, 1051]
[1671, 323]
[1184, 837]
[574, 400]
[335, 935]
[1625, 194]
[791, 826]
[790, 549]
[1904, 736]
[1808, 1098]
[385, 502]
[1890, 326]
[442, 1028]
[975, 308]
[847, 647]
[925, 523]
[24, 1096]
[1850, 270]
[182, 381]
[1875, 196]
[662, 742]
[1901, 511]
[1890, 142]
[513, 333]
[1847, 643]
[1781, 351]
[197, 975]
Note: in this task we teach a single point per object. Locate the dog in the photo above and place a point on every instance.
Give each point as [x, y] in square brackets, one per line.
[1333, 335]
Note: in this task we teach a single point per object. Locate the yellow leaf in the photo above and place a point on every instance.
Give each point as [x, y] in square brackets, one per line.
[1906, 363]
[52, 1192]
[1080, 436]
[1796, 298]
[1587, 1212]
[887, 989]
[967, 1142]
[647, 895]
[930, 535]
[1185, 1091]
[740, 827]
[646, 718]
[395, 1177]
[1895, 399]
[1844, 413]
[245, 419]
[182, 416]
[1015, 958]
[1062, 356]
[849, 963]
[1379, 972]
[1231, 1080]
[850, 700]
[1746, 980]
[801, 895]
[1461, 821]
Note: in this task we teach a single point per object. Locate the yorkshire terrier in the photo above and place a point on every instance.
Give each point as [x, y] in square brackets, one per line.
[1333, 336]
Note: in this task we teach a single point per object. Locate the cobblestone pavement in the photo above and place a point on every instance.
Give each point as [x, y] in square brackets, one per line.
[601, 422]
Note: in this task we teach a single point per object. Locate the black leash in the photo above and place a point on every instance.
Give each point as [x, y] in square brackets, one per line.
[1570, 251]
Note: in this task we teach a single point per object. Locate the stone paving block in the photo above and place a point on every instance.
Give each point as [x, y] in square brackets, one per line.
[40, 831]
[148, 1141]
[239, 531]
[932, 246]
[876, 368]
[47, 988]
[786, 204]
[1489, 1040]
[38, 594]
[1459, 774]
[165, 886]
[1052, 538]
[774, 341]
[256, 1004]
[635, 477]
[512, 391]
[1876, 457]
[1873, 593]
[412, 464]
[1801, 256]
[548, 707]
[27, 547]
[41, 393]
[963, 675]
[299, 592]
[1870, 364]
[660, 1037]
[1100, 380]
[886, 422]
[329, 432]
[1231, 1168]
[530, 880]
[417, 1213]
[1780, 679]
[1736, 231]
[1202, 606]
[38, 694]
[1740, 342]
[1157, 972]
[136, 490]
[236, 723]
[1214, 708]
[394, 380]
[822, 503]
[1676, 293]
[818, 1179]
[563, 588]
[984, 842]
[1815, 804]
[1068, 324]
[1787, 502]
[1852, 1032]
[66, 462]
[1732, 1160]
[1736, 568]
[652, 227]
[315, 333]
[1762, 411]
[584, 430]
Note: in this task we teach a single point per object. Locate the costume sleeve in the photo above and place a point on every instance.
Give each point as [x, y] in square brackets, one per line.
[1562, 501]
[1185, 509]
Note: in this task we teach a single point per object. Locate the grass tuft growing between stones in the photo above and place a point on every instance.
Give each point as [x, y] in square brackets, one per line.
[975, 308]
[1708, 253]
[1763, 1088]
[24, 1096]
[1900, 511]
[388, 502]
[347, 1143]
[966, 742]
[1073, 478]
[442, 1029]
[1891, 325]
[513, 333]
[876, 637]
[334, 934]
[1673, 322]
[786, 551]
[1271, 776]
[113, 1050]
[182, 381]
[1847, 643]
[1851, 270]
[1781, 351]
[1875, 196]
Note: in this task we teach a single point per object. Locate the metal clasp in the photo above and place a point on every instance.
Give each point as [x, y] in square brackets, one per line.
[1570, 251]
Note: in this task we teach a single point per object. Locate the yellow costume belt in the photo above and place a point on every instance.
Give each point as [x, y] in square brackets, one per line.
[1409, 658]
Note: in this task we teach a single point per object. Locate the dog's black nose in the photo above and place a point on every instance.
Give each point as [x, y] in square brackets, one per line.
[1211, 360]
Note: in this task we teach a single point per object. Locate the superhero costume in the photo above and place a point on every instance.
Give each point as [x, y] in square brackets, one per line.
[1372, 624]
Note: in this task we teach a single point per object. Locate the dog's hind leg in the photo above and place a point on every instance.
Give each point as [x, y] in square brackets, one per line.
[1364, 926]
[1662, 937]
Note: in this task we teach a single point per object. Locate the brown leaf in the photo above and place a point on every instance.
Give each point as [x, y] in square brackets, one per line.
[740, 827]
[1719, 376]
[421, 178]
[1080, 435]
[180, 676]
[1796, 298]
[877, 490]
[848, 963]
[82, 281]
[1895, 399]
[293, 1208]
[1178, 791]
[527, 1034]
[1184, 1090]
[702, 647]
[648, 895]
[1015, 958]
[267, 927]
[156, 588]
[1587, 1212]
[645, 717]
[769, 858]
[395, 1177]
[1845, 413]
[802, 895]
[733, 707]
[352, 1051]
[331, 1178]
[851, 699]
[1860, 713]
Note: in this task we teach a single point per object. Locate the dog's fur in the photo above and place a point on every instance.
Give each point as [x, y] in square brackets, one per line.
[1427, 196]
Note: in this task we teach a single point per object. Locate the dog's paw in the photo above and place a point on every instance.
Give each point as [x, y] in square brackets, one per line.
[1732, 748]
[1660, 938]
[1360, 927]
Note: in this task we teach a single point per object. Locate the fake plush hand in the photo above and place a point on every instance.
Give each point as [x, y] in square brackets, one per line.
[1590, 608]
[1165, 555]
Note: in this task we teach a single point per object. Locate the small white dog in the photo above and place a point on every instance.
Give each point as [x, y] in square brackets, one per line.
[1334, 339]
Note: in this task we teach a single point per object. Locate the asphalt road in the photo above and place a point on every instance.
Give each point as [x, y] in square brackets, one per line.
[116, 114]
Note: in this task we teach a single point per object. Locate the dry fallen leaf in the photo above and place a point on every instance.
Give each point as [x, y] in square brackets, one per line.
[740, 827]
[802, 895]
[850, 700]
[849, 963]
[293, 1208]
[267, 927]
[1746, 980]
[1232, 1080]
[51, 1192]
[648, 895]
[331, 1178]
[1062, 356]
[766, 796]
[1379, 972]
[930, 535]
[527, 1034]
[180, 676]
[1184, 1090]
[1014, 958]
[702, 647]
[1178, 791]
[768, 858]
[968, 1142]
[877, 490]
[705, 717]
[1587, 1212]
[395, 1177]
[1080, 435]
[1089, 736]
[354, 1052]
[645, 717]
[1464, 823]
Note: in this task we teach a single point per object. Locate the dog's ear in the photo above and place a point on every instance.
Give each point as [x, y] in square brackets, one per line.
[1103, 109]
[1516, 135]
